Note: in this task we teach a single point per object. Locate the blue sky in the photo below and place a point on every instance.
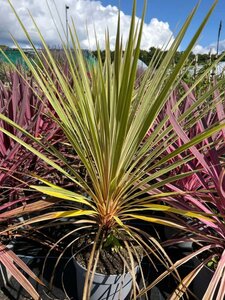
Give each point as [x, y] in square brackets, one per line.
[162, 19]
[175, 12]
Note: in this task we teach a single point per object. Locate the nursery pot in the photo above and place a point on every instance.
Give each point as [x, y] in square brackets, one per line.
[170, 233]
[202, 281]
[104, 287]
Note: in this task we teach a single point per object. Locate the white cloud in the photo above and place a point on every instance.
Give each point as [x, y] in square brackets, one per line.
[156, 33]
[198, 49]
[86, 14]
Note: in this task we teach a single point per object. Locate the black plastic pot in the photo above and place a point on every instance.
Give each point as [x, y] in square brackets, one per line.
[202, 281]
[34, 257]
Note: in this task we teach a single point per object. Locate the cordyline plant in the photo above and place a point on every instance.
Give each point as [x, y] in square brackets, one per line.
[20, 103]
[105, 118]
[203, 191]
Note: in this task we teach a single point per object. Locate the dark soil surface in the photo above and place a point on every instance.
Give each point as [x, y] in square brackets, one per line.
[109, 262]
